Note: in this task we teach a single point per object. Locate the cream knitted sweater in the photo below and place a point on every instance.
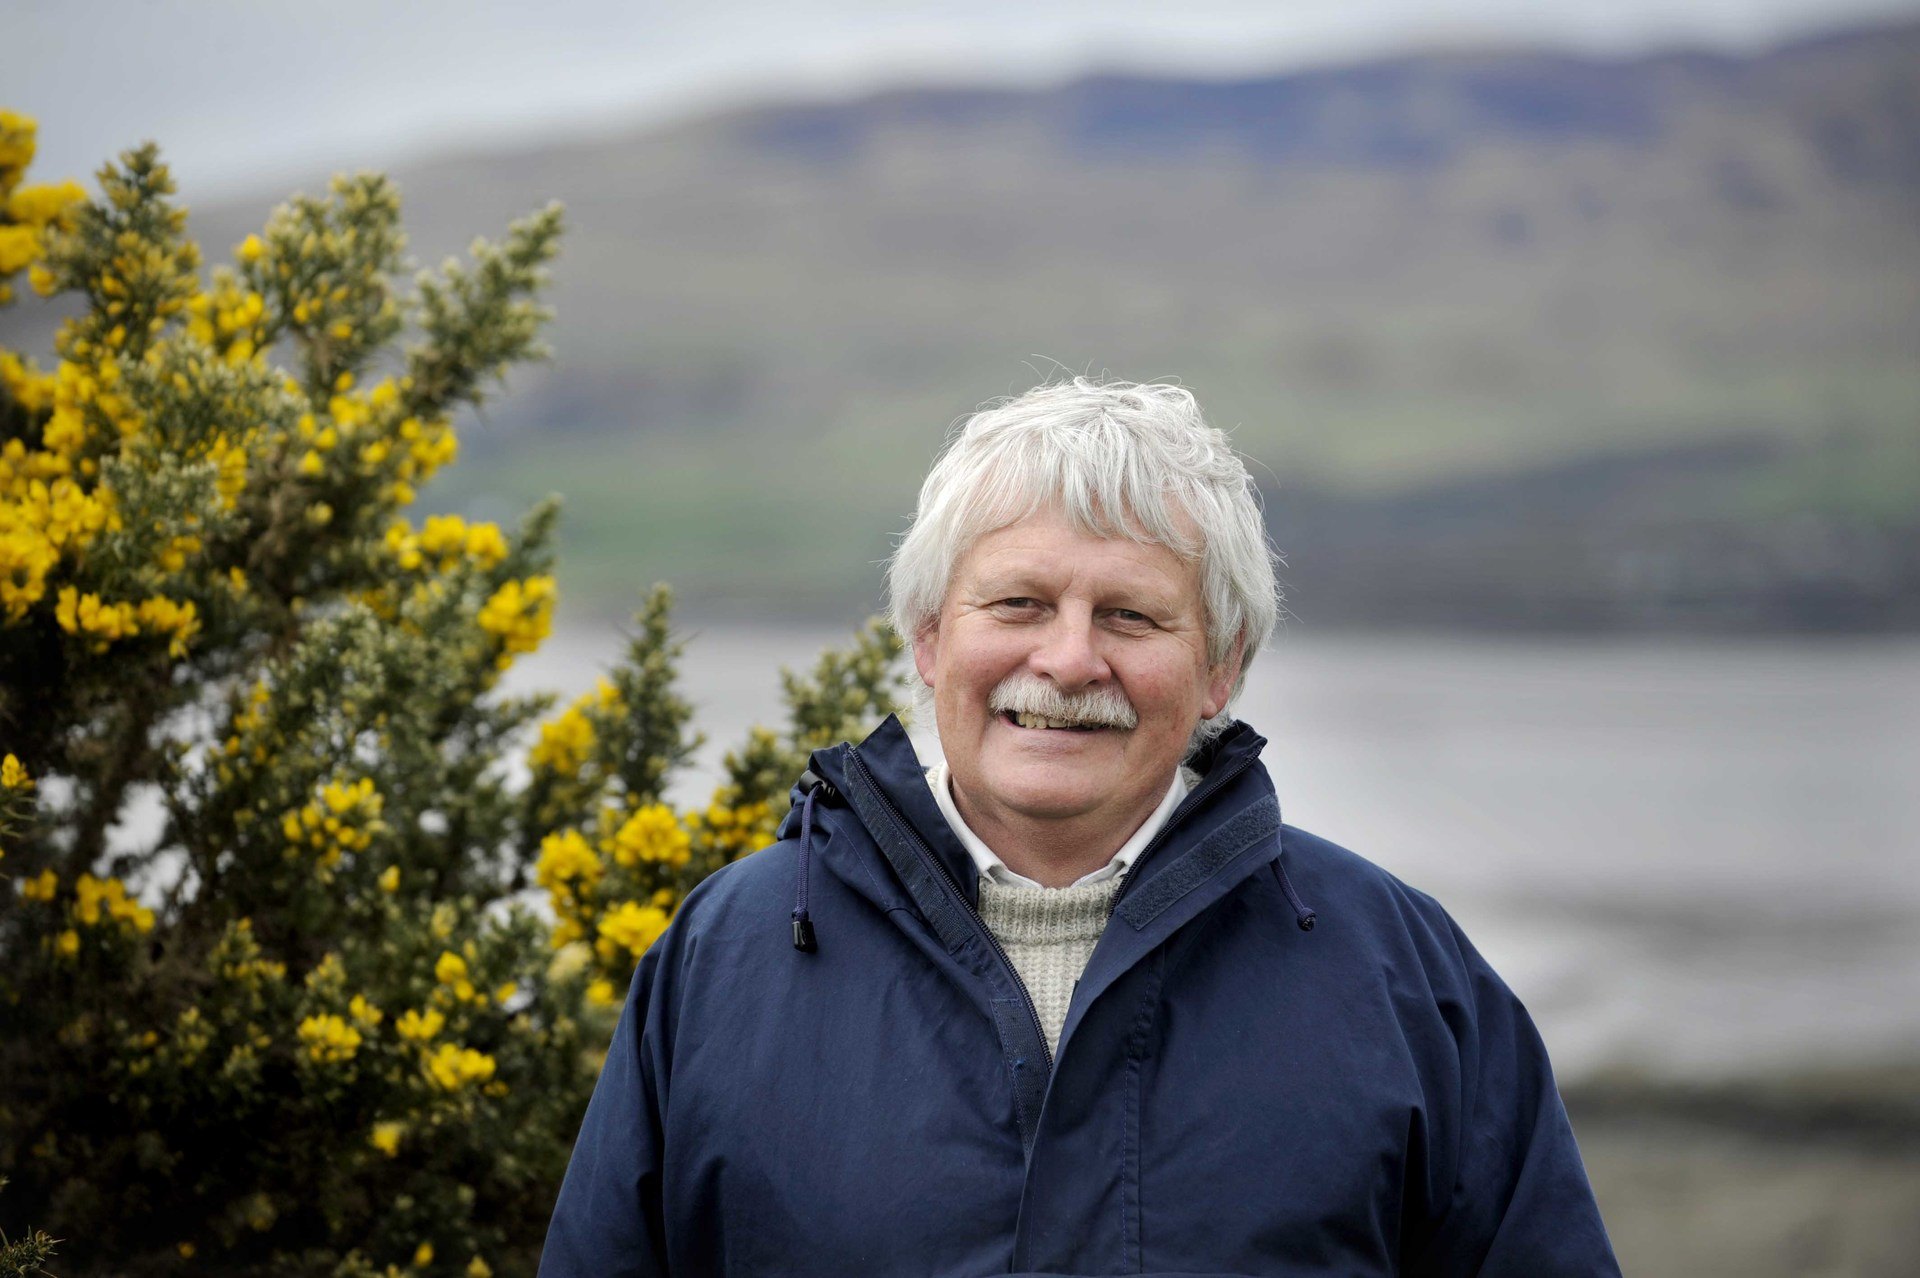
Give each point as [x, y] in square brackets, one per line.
[1049, 933]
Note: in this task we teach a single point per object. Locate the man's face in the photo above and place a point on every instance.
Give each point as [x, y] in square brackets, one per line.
[1041, 603]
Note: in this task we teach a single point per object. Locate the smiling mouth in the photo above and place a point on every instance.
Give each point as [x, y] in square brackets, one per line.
[1022, 720]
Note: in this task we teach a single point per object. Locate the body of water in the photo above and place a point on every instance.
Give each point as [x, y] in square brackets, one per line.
[1691, 857]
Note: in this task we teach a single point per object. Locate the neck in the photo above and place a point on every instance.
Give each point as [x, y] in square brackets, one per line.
[1056, 851]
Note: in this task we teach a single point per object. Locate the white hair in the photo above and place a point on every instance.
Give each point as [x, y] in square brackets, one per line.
[1118, 459]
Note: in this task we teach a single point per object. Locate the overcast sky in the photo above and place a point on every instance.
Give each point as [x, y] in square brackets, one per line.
[243, 94]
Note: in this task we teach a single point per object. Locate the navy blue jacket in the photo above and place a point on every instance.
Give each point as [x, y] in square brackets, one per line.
[1245, 1084]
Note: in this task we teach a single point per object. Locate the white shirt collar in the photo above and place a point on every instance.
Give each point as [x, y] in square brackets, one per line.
[994, 868]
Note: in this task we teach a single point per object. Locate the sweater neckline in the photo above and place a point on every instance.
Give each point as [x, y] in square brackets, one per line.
[1042, 915]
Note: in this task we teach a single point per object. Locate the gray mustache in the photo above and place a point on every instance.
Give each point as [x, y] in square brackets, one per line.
[1030, 694]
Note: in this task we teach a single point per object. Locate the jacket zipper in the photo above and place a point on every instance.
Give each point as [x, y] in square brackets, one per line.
[934, 862]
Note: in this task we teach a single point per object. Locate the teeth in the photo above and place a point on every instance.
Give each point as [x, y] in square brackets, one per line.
[1026, 720]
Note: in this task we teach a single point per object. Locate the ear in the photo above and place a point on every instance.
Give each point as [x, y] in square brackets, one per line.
[1220, 679]
[926, 650]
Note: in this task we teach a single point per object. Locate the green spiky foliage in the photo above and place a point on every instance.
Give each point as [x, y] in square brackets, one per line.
[278, 994]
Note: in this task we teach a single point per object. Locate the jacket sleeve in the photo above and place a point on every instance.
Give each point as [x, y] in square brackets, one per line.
[608, 1221]
[1520, 1205]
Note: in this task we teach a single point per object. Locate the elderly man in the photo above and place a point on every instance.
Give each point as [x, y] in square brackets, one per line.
[1074, 1001]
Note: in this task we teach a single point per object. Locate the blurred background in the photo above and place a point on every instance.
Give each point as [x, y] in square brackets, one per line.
[1576, 347]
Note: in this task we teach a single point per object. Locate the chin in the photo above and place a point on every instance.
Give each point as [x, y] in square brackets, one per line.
[1043, 797]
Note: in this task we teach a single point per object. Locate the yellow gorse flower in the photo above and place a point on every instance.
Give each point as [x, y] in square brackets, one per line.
[19, 245]
[520, 615]
[174, 555]
[630, 926]
[450, 540]
[385, 1137]
[13, 775]
[229, 318]
[567, 863]
[734, 831]
[403, 545]
[17, 143]
[451, 971]
[88, 614]
[453, 1067]
[58, 509]
[345, 818]
[179, 621]
[41, 887]
[420, 1026]
[45, 513]
[652, 833]
[486, 545]
[566, 742]
[46, 203]
[329, 1039]
[95, 899]
[34, 390]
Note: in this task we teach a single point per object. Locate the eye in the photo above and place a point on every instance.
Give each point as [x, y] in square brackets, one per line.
[1131, 619]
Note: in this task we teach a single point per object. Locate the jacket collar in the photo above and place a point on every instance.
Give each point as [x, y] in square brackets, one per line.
[887, 758]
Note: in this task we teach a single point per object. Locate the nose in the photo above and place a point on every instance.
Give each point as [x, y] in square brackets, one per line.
[1067, 652]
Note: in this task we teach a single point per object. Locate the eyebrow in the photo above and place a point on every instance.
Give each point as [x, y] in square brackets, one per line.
[1019, 582]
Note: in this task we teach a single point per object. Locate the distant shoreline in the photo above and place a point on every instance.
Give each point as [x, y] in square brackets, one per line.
[1871, 1105]
[1802, 1173]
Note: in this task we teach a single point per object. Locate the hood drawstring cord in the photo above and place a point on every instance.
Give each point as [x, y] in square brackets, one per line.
[802, 924]
[1302, 912]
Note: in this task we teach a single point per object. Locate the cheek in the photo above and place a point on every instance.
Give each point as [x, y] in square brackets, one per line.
[984, 657]
[1173, 692]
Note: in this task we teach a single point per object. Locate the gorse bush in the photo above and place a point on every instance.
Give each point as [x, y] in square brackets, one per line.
[310, 939]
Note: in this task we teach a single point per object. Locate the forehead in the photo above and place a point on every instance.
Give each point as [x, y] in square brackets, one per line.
[1046, 549]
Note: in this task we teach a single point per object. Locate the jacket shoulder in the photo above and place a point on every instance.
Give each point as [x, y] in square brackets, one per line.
[1342, 869]
[747, 888]
[1354, 894]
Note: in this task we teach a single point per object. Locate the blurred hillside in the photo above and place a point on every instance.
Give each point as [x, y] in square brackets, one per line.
[1526, 340]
